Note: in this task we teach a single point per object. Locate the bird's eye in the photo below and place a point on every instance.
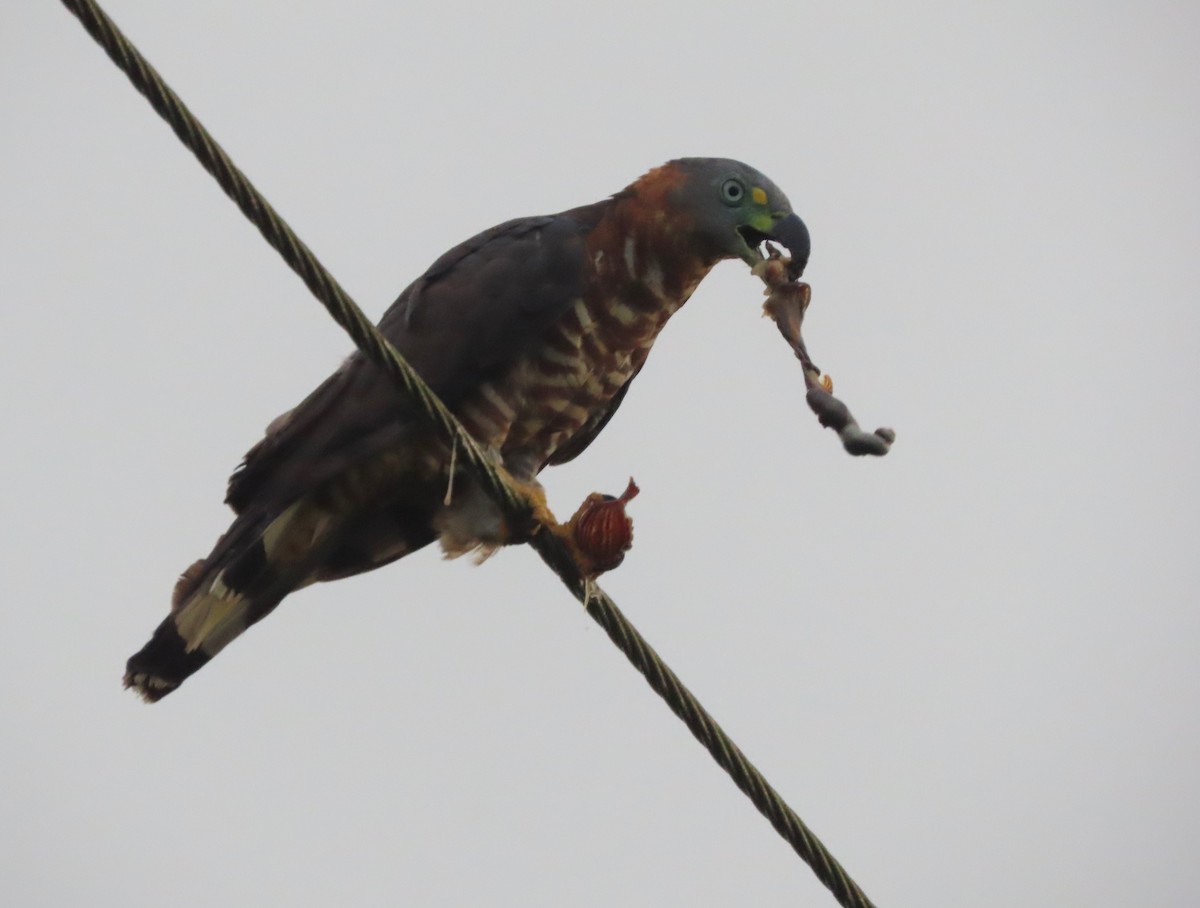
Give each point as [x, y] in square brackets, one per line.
[732, 191]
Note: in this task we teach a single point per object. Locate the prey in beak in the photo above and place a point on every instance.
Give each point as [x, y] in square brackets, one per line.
[786, 230]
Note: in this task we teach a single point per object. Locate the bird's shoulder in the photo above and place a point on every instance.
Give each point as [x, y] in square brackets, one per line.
[479, 305]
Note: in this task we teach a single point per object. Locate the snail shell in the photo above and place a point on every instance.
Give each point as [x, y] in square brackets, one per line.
[602, 531]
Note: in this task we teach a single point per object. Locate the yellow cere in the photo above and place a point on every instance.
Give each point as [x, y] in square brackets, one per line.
[762, 221]
[759, 196]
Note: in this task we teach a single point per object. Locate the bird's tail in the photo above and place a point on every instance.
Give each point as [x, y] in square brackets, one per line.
[251, 568]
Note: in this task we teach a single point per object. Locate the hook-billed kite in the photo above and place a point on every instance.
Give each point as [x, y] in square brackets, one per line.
[530, 332]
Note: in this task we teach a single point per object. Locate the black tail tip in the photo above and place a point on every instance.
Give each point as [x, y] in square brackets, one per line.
[150, 688]
[162, 664]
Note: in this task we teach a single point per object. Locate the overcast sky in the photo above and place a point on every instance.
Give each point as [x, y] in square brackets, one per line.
[970, 665]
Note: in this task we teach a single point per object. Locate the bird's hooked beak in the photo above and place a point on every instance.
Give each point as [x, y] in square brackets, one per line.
[792, 234]
[789, 232]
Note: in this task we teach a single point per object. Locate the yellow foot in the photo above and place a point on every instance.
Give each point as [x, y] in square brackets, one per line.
[534, 496]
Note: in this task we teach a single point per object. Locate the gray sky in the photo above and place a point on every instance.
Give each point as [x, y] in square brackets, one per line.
[970, 666]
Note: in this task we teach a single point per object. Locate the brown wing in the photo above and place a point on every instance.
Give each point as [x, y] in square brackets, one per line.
[461, 323]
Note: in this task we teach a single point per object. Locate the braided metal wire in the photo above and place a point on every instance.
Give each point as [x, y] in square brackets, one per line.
[346, 313]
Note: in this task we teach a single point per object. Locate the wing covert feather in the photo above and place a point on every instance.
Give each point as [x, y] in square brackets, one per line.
[463, 322]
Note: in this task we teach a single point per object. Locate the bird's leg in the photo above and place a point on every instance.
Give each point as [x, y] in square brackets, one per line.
[531, 492]
[542, 520]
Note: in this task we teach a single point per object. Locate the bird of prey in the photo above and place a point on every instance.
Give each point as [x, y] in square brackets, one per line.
[530, 332]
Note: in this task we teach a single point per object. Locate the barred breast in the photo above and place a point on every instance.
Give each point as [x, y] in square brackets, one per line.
[569, 377]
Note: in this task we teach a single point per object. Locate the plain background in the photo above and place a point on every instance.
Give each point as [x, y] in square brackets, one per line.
[970, 666]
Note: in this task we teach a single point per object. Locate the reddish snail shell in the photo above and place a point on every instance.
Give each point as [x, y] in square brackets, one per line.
[602, 531]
